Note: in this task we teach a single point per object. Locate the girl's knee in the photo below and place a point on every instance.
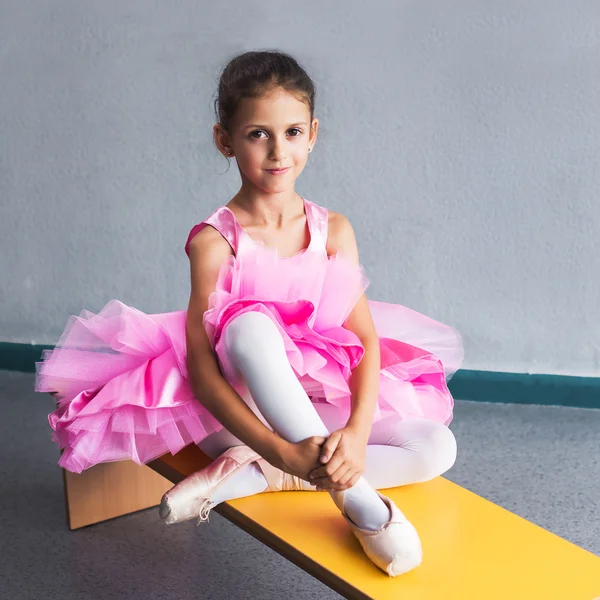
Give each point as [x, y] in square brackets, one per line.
[433, 445]
[251, 335]
[441, 450]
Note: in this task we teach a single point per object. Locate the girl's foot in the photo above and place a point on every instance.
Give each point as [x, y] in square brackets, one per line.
[395, 547]
[195, 495]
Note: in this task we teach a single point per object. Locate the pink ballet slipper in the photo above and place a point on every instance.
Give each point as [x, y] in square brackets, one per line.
[395, 547]
[191, 497]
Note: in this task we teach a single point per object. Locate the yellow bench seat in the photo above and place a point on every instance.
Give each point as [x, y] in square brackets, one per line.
[472, 548]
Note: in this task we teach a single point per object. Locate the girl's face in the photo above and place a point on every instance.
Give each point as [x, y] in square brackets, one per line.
[270, 132]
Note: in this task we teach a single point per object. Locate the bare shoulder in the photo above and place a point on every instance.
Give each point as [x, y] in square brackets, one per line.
[340, 235]
[209, 248]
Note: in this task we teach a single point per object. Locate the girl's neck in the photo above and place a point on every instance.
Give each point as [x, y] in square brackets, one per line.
[269, 210]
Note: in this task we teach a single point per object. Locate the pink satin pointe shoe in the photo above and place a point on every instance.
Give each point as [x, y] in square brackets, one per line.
[395, 547]
[191, 497]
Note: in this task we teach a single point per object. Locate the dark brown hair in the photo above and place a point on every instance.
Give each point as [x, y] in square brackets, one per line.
[256, 73]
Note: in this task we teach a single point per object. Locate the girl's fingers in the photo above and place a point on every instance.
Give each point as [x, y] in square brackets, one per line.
[331, 467]
[355, 479]
[336, 479]
[330, 446]
[346, 477]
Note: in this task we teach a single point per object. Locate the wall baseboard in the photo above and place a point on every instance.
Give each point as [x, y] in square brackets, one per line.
[525, 388]
[478, 386]
[20, 357]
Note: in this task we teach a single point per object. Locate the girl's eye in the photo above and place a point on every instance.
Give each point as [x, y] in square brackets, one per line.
[261, 131]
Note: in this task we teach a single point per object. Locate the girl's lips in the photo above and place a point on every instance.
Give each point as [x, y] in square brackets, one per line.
[278, 171]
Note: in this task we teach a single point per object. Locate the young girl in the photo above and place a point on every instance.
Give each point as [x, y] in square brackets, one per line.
[280, 369]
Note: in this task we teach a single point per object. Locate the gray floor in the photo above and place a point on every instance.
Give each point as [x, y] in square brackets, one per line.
[539, 462]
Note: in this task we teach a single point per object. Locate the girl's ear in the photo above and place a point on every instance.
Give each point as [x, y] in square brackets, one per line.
[313, 132]
[221, 139]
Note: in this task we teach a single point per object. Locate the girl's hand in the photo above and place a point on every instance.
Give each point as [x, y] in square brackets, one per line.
[302, 457]
[345, 455]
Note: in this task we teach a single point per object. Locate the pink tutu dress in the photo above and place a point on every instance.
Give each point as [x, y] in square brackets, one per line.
[120, 375]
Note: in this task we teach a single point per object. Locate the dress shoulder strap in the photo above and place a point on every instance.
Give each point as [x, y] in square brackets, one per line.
[224, 222]
[318, 217]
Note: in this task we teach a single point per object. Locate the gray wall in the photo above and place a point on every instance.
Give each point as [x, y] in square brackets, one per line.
[461, 139]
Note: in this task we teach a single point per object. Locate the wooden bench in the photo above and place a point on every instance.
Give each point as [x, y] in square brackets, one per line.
[472, 548]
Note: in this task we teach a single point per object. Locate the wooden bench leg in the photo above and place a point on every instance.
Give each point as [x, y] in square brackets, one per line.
[109, 490]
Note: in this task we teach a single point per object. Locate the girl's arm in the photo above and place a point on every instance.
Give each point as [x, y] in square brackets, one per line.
[364, 381]
[208, 251]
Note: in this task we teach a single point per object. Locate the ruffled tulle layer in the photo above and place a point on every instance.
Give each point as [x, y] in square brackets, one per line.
[120, 375]
[119, 380]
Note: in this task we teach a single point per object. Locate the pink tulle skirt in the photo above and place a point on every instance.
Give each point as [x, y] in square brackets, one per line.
[121, 380]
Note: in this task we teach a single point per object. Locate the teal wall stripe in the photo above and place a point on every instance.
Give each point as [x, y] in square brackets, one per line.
[524, 388]
[20, 357]
[479, 386]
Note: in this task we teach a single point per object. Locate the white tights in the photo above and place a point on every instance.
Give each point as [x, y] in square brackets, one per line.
[399, 452]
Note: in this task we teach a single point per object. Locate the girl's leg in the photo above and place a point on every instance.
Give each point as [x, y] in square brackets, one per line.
[255, 347]
[247, 481]
[401, 451]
